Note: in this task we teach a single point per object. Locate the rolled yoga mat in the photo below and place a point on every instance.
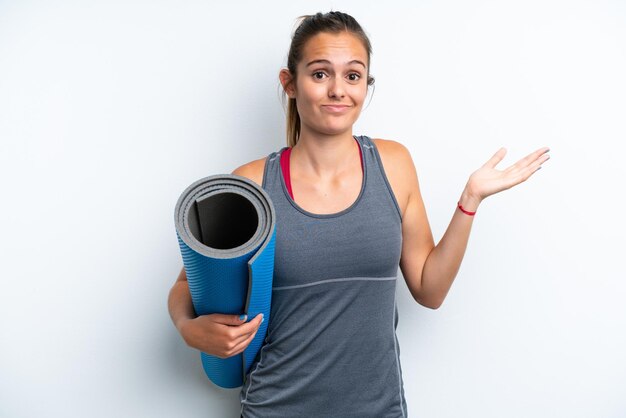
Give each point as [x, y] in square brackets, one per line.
[226, 228]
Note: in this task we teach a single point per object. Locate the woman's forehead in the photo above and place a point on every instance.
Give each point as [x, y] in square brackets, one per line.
[338, 48]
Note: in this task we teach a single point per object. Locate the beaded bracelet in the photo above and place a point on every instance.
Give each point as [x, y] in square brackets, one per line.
[466, 211]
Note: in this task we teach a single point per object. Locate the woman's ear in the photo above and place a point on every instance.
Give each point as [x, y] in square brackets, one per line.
[286, 79]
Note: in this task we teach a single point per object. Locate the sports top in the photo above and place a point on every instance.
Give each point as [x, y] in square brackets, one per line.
[331, 348]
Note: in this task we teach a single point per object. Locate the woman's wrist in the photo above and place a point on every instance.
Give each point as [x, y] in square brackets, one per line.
[469, 202]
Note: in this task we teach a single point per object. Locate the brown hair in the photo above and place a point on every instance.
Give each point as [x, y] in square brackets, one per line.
[309, 26]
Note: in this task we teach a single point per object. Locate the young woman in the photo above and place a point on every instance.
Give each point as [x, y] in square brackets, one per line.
[349, 213]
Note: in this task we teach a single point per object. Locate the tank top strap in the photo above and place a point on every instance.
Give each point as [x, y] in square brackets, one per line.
[377, 178]
[272, 170]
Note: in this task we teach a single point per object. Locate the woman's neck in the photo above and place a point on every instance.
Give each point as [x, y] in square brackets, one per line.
[324, 157]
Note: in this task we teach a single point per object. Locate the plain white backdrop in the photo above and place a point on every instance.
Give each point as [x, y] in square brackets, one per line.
[108, 110]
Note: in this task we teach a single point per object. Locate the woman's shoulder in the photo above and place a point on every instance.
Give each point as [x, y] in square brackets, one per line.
[393, 154]
[389, 146]
[252, 170]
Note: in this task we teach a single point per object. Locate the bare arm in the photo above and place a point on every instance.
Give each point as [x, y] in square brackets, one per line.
[430, 270]
[179, 301]
[443, 262]
[442, 265]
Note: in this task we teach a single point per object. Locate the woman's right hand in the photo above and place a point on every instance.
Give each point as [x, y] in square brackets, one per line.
[219, 334]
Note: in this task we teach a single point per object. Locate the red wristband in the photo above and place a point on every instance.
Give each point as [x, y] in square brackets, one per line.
[466, 211]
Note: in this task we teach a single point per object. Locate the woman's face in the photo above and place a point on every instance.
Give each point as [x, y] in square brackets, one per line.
[331, 83]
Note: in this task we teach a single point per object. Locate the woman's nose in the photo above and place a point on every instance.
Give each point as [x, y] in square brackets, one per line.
[335, 88]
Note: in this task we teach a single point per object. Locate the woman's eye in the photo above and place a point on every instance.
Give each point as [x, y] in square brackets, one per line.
[319, 75]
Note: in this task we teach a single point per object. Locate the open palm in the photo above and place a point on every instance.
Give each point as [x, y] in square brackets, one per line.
[487, 180]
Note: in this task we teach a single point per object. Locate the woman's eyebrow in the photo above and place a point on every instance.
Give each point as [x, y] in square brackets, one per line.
[322, 61]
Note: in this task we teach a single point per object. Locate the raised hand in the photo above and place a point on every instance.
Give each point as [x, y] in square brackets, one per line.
[487, 180]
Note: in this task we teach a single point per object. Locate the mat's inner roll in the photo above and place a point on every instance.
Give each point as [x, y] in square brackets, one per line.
[223, 221]
[226, 227]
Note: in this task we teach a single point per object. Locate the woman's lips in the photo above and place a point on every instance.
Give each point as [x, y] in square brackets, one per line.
[336, 108]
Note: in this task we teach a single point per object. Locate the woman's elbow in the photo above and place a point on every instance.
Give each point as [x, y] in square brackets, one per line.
[429, 303]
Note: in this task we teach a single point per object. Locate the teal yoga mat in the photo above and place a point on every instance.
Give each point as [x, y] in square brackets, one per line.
[226, 228]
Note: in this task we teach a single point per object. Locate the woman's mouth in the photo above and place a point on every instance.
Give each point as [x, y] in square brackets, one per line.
[336, 108]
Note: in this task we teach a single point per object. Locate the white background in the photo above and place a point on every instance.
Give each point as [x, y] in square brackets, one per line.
[108, 110]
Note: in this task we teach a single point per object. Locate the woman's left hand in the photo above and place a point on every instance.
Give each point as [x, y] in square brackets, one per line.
[487, 180]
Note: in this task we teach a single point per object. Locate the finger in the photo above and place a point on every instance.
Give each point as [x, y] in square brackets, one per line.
[537, 164]
[497, 157]
[228, 319]
[254, 324]
[247, 328]
[246, 335]
[530, 170]
[243, 344]
[531, 158]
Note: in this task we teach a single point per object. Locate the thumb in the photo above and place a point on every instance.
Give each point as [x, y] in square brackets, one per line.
[230, 319]
[497, 157]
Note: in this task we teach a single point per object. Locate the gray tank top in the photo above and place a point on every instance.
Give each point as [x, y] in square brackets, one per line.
[331, 349]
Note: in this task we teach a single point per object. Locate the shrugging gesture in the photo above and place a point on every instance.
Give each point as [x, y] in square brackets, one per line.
[429, 270]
